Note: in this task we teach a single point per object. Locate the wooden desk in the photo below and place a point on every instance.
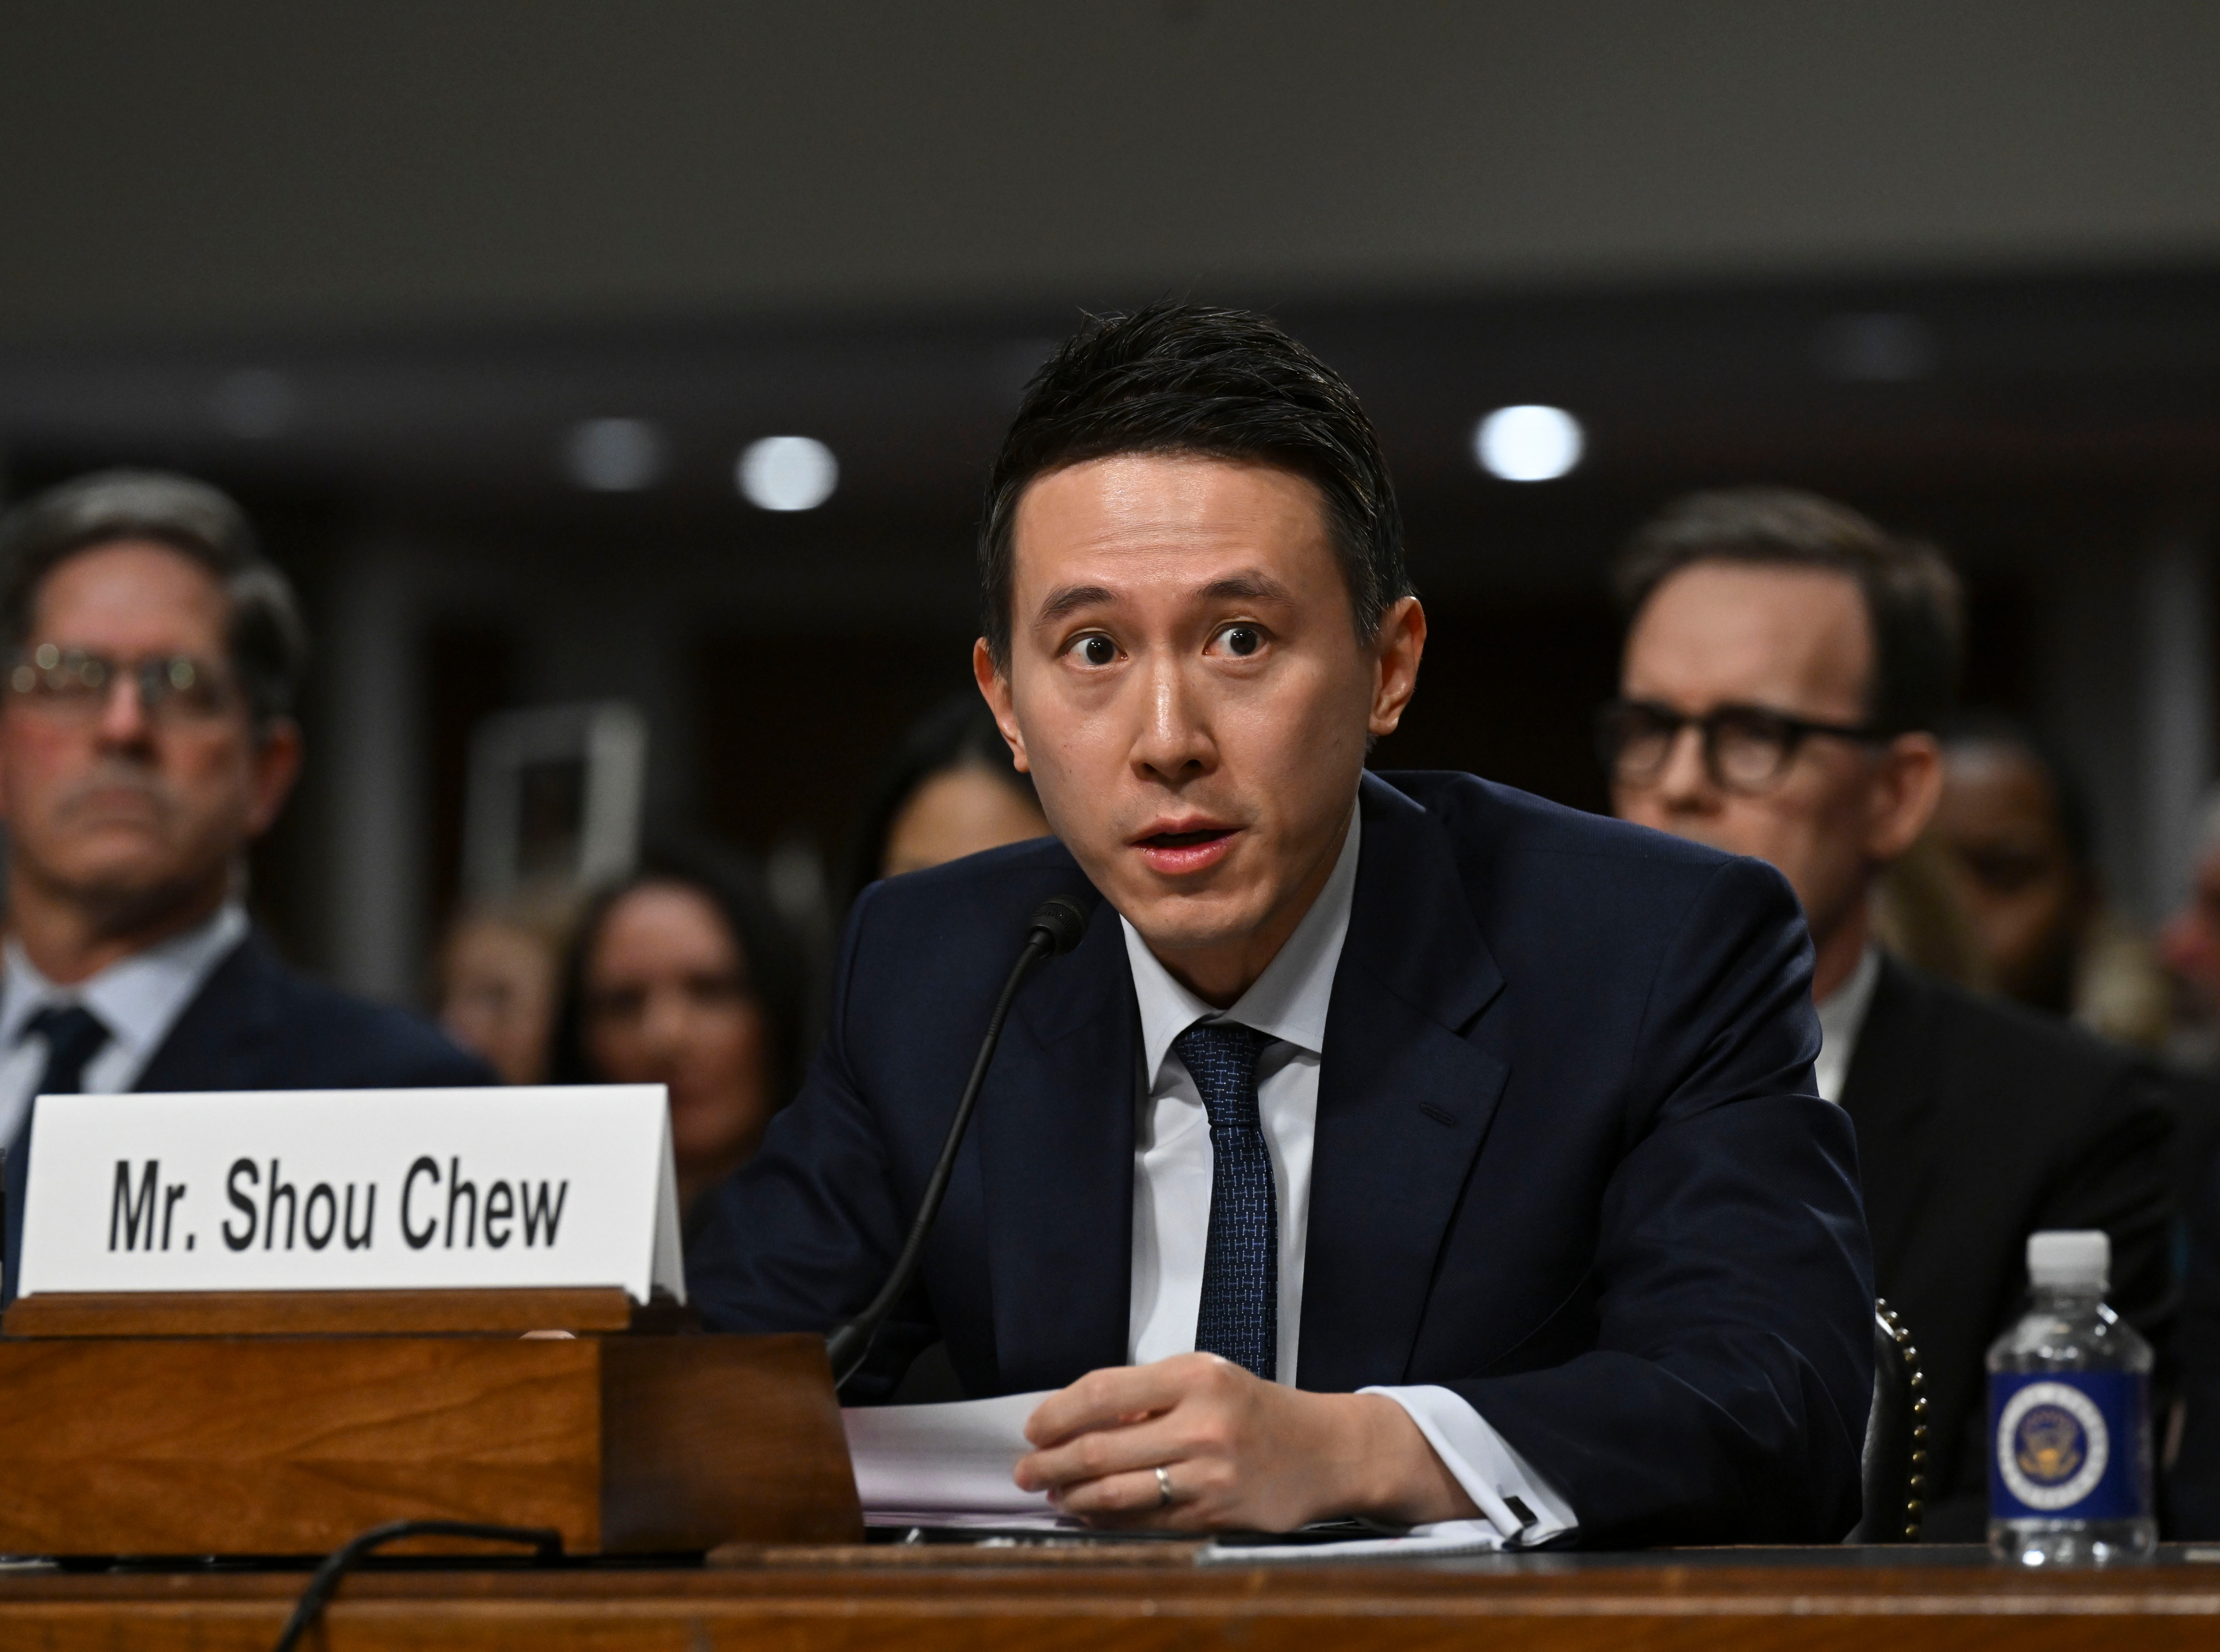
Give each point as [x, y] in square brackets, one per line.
[1138, 1598]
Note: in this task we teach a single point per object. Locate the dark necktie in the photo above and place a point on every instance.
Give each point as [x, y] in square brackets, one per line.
[1240, 1314]
[73, 1035]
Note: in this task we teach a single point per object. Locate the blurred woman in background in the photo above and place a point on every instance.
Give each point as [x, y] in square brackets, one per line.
[684, 976]
[949, 790]
[498, 969]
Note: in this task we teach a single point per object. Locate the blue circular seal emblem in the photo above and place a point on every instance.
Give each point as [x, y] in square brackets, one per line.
[2052, 1445]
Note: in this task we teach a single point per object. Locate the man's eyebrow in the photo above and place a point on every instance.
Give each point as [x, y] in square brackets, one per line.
[1254, 584]
[1069, 599]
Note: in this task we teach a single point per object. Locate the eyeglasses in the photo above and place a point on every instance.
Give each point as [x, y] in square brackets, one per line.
[1747, 749]
[74, 683]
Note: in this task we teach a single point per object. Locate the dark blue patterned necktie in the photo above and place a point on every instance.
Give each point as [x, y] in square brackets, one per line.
[1240, 1314]
[73, 1035]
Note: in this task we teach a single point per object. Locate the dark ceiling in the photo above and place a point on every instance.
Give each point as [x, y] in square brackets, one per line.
[1992, 391]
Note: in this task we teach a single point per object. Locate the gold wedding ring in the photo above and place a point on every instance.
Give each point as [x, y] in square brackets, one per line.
[1164, 1487]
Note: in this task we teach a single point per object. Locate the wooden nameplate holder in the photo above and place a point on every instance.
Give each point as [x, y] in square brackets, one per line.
[284, 1423]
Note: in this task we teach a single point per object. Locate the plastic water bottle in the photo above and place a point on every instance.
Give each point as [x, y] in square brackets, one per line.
[2069, 1418]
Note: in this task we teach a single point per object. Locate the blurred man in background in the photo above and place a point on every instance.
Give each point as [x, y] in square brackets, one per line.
[1786, 663]
[2015, 848]
[146, 739]
[2189, 946]
[2019, 863]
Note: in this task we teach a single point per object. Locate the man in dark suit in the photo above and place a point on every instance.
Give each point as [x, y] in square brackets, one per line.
[146, 740]
[1399, 1146]
[1786, 665]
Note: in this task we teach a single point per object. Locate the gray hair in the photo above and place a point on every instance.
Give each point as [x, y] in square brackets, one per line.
[267, 640]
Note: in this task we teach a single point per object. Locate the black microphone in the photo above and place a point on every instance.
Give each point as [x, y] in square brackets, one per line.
[1056, 926]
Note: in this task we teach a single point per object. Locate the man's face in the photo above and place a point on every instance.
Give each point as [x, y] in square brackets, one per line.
[2010, 868]
[1794, 641]
[2190, 943]
[1186, 689]
[113, 805]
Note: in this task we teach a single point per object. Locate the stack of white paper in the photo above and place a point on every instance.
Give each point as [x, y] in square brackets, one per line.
[947, 1465]
[1443, 1540]
[953, 1465]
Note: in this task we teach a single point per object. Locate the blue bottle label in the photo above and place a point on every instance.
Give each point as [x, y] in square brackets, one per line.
[2069, 1445]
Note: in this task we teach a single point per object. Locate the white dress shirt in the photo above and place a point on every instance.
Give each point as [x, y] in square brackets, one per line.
[1842, 1017]
[1172, 1172]
[137, 999]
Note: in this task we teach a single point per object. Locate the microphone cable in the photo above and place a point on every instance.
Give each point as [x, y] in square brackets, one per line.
[545, 1542]
[1057, 924]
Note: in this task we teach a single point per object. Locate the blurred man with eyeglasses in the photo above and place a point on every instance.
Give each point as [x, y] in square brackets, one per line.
[149, 656]
[1786, 665]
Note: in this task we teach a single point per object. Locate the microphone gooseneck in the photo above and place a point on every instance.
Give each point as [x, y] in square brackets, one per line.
[1058, 924]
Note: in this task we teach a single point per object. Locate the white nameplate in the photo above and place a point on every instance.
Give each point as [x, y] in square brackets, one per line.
[303, 1190]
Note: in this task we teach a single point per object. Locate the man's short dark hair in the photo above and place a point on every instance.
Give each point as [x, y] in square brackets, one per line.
[267, 641]
[1217, 383]
[1912, 599]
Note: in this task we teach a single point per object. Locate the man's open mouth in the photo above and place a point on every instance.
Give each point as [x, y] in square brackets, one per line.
[1186, 839]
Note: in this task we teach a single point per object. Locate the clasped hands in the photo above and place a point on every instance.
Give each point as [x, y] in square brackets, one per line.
[1237, 1453]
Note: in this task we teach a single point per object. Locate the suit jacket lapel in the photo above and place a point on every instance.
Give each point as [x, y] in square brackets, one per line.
[1056, 1140]
[1408, 1083]
[1889, 1093]
[229, 1014]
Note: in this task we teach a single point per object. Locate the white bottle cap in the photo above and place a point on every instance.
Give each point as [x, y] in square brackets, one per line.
[2069, 1261]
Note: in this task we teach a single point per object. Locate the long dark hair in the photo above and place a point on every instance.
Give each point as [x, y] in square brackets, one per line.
[957, 732]
[769, 949]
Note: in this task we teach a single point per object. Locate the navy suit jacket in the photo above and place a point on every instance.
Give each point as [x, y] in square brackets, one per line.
[1569, 1162]
[257, 1025]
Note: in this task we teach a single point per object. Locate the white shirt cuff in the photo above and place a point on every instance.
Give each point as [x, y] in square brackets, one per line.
[1503, 1483]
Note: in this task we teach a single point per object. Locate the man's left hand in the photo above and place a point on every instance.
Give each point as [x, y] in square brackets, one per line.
[1237, 1452]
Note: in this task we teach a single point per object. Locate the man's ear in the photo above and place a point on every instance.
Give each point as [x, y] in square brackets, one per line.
[994, 685]
[1907, 790]
[276, 763]
[1400, 644]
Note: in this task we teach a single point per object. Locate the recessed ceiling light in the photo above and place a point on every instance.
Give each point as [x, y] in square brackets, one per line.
[787, 473]
[614, 455]
[1529, 443]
